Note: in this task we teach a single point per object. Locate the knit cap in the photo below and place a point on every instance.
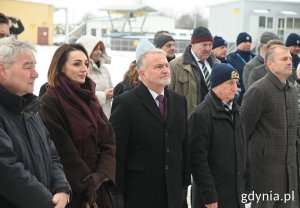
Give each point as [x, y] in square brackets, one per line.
[267, 36]
[144, 45]
[243, 37]
[161, 40]
[201, 34]
[221, 73]
[219, 41]
[292, 40]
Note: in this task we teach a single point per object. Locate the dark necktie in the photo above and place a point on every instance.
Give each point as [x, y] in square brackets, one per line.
[206, 74]
[161, 106]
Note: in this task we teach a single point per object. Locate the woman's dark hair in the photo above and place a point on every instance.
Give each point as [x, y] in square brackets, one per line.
[59, 59]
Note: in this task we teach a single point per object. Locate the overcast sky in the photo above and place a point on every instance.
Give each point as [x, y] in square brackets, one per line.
[175, 7]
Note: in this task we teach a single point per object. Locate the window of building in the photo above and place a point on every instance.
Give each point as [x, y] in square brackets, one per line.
[289, 23]
[270, 22]
[262, 21]
[297, 23]
[93, 32]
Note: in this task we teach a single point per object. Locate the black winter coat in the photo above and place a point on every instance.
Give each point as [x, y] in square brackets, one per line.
[30, 168]
[218, 152]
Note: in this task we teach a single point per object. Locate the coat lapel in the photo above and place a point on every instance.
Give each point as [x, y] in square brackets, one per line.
[149, 103]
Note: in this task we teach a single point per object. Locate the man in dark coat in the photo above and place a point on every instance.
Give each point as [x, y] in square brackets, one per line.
[31, 173]
[219, 48]
[239, 58]
[218, 146]
[152, 147]
[269, 113]
[293, 43]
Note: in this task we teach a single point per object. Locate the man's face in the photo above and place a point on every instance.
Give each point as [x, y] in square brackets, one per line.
[4, 30]
[202, 49]
[227, 90]
[294, 49]
[281, 66]
[220, 52]
[19, 76]
[156, 72]
[169, 48]
[244, 46]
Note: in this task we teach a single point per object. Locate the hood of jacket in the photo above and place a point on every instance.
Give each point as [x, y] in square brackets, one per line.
[89, 42]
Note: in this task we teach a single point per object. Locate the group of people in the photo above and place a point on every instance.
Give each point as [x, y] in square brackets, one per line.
[83, 143]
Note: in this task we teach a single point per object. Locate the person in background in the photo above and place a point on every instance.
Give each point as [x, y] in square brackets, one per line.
[239, 58]
[16, 27]
[98, 72]
[167, 44]
[150, 123]
[31, 172]
[4, 27]
[160, 32]
[269, 112]
[293, 43]
[261, 70]
[218, 144]
[219, 48]
[190, 72]
[131, 76]
[259, 59]
[79, 128]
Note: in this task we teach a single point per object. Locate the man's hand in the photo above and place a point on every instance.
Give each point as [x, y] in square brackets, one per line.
[60, 200]
[213, 205]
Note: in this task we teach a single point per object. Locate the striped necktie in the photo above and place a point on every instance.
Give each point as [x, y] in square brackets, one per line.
[206, 74]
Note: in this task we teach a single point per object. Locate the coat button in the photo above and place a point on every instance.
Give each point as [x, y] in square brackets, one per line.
[168, 150]
[167, 167]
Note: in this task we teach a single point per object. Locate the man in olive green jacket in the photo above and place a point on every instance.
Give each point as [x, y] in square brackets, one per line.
[187, 71]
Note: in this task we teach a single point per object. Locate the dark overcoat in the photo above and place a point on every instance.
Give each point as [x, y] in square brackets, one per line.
[78, 163]
[152, 156]
[269, 111]
[218, 153]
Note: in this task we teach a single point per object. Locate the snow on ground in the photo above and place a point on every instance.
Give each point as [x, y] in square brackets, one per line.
[119, 64]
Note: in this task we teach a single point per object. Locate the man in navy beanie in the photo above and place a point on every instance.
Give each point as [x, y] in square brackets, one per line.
[190, 76]
[293, 43]
[218, 147]
[239, 58]
[219, 48]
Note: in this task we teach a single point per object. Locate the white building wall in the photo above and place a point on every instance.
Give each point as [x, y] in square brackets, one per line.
[224, 19]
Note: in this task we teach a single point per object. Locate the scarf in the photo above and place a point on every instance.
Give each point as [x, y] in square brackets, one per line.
[81, 108]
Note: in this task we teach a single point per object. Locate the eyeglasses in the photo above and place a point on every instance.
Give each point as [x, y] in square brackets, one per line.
[4, 35]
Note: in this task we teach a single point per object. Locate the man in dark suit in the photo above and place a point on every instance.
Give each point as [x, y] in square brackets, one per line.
[270, 114]
[152, 147]
[218, 145]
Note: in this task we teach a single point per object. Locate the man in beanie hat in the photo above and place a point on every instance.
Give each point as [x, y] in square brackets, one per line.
[259, 59]
[218, 147]
[293, 43]
[239, 58]
[270, 113]
[190, 74]
[219, 48]
[4, 27]
[167, 44]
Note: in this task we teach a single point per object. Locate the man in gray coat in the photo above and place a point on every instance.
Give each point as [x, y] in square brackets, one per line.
[270, 114]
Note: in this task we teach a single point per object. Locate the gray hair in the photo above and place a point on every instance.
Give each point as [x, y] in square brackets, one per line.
[141, 61]
[11, 47]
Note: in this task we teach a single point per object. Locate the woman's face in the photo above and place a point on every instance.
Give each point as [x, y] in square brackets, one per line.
[76, 67]
[96, 53]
